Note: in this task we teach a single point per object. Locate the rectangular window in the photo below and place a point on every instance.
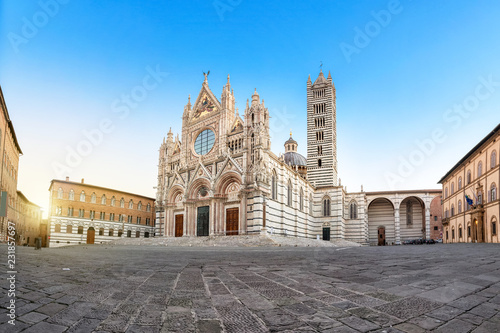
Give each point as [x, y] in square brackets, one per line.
[138, 220]
[435, 228]
[148, 220]
[103, 215]
[130, 219]
[435, 218]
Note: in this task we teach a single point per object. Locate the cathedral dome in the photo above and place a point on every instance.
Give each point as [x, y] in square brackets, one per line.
[294, 159]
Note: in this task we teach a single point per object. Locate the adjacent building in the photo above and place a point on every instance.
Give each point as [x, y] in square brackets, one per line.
[220, 177]
[29, 218]
[10, 149]
[471, 207]
[81, 213]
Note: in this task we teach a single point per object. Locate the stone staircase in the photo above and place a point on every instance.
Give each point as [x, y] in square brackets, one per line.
[233, 241]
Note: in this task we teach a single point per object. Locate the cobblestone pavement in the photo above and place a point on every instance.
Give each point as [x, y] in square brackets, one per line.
[419, 288]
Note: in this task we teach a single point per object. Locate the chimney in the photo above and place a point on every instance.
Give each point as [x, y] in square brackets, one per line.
[82, 180]
[67, 178]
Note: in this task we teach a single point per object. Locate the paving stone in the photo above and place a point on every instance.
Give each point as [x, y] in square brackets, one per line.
[427, 323]
[468, 302]
[408, 307]
[359, 324]
[144, 329]
[445, 313]
[51, 308]
[212, 326]
[84, 325]
[33, 317]
[410, 328]
[45, 327]
[456, 326]
[488, 327]
[18, 327]
[471, 318]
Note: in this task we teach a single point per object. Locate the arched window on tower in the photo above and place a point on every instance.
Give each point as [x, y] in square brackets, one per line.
[326, 207]
[353, 210]
[252, 147]
[290, 193]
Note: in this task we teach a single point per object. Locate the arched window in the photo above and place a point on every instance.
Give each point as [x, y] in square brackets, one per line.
[57, 228]
[459, 206]
[453, 233]
[93, 198]
[301, 202]
[60, 193]
[69, 229]
[469, 177]
[459, 183]
[452, 210]
[446, 214]
[289, 193]
[110, 233]
[493, 226]
[139, 206]
[493, 162]
[130, 204]
[353, 210]
[460, 231]
[452, 188]
[493, 192]
[113, 201]
[148, 207]
[274, 185]
[80, 229]
[122, 203]
[71, 195]
[82, 196]
[103, 199]
[310, 204]
[446, 193]
[480, 169]
[409, 212]
[326, 207]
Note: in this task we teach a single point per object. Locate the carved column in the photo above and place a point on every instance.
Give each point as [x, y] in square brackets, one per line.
[427, 223]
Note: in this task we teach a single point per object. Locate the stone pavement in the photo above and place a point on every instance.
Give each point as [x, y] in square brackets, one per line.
[116, 288]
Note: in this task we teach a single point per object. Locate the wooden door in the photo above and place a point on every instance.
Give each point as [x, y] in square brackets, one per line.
[90, 235]
[179, 225]
[381, 236]
[232, 221]
[203, 218]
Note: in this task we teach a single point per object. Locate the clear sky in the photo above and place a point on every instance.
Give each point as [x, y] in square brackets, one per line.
[418, 83]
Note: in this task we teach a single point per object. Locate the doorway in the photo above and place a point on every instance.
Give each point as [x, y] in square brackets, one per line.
[203, 216]
[232, 221]
[90, 235]
[179, 225]
[381, 236]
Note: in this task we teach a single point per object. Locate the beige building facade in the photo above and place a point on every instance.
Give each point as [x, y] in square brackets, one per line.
[29, 219]
[477, 177]
[81, 213]
[11, 152]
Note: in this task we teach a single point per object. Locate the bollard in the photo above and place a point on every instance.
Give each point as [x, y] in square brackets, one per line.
[38, 243]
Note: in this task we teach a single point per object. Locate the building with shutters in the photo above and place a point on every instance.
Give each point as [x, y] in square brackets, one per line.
[221, 178]
[476, 176]
[81, 213]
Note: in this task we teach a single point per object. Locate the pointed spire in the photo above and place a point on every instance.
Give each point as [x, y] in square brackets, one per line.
[255, 97]
[263, 103]
[329, 75]
[247, 103]
[309, 82]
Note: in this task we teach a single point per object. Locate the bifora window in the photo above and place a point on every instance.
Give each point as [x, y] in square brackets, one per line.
[204, 142]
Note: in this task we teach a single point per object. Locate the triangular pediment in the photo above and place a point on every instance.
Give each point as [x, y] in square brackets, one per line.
[229, 164]
[206, 104]
[200, 172]
[237, 125]
[177, 179]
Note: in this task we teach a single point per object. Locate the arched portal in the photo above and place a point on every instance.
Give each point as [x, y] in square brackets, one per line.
[412, 218]
[381, 214]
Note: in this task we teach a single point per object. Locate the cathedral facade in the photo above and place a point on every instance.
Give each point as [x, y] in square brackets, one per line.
[221, 178]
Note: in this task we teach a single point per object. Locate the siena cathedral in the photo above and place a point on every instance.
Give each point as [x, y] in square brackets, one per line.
[221, 178]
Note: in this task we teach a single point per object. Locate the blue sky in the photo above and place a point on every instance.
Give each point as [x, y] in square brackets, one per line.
[411, 77]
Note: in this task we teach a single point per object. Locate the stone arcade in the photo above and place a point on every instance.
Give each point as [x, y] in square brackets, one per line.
[221, 178]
